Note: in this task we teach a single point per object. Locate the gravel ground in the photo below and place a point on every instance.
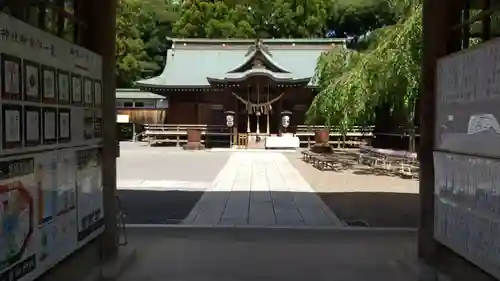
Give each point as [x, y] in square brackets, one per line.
[358, 195]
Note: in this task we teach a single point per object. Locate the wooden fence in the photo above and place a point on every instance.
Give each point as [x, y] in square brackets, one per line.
[355, 136]
[177, 133]
[220, 134]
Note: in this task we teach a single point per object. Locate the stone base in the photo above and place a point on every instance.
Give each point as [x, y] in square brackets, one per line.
[193, 146]
[321, 148]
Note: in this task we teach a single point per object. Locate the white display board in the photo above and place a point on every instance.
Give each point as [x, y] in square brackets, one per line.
[467, 176]
[45, 78]
[467, 208]
[50, 205]
[468, 101]
[50, 154]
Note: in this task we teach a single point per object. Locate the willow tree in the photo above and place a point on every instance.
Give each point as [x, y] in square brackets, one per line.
[353, 83]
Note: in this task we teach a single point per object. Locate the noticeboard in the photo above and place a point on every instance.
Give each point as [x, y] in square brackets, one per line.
[50, 155]
[467, 155]
[468, 101]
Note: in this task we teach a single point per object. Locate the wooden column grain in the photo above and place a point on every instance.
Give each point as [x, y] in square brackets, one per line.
[100, 37]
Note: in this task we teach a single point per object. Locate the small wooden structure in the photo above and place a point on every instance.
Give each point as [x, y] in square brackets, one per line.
[138, 108]
[255, 79]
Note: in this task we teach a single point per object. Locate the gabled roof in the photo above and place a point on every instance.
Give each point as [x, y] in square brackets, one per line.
[191, 61]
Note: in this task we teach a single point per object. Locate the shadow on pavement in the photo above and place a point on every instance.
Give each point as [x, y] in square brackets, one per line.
[377, 209]
[364, 209]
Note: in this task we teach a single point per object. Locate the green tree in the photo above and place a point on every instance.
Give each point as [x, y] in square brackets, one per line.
[200, 19]
[156, 19]
[131, 57]
[352, 84]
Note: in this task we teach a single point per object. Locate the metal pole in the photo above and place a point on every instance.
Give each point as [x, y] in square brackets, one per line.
[133, 124]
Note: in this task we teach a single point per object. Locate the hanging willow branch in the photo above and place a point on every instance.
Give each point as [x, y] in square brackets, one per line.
[352, 84]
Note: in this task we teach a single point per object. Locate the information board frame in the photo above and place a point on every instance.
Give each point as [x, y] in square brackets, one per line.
[54, 174]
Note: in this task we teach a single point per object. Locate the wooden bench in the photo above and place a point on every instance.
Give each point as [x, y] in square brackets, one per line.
[323, 162]
[308, 156]
[397, 162]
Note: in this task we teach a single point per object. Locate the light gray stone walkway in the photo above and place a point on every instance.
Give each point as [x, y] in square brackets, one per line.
[261, 189]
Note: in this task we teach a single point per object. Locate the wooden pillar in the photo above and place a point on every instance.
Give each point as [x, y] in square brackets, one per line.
[236, 118]
[100, 37]
[248, 111]
[268, 111]
[438, 18]
[258, 113]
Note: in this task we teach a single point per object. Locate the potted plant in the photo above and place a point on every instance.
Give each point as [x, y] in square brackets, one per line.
[321, 135]
[194, 139]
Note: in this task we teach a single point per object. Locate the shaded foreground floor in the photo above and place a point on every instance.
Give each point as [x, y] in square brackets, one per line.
[272, 254]
[260, 188]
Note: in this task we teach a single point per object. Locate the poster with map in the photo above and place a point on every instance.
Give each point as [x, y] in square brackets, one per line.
[18, 213]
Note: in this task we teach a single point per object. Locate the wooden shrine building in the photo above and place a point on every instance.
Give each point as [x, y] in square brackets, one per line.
[256, 79]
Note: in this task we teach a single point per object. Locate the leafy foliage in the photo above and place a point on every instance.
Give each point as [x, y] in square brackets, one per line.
[142, 25]
[352, 83]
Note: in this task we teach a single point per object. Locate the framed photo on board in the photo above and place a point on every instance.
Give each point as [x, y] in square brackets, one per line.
[32, 126]
[97, 93]
[88, 92]
[49, 94]
[63, 87]
[11, 77]
[31, 74]
[97, 124]
[76, 89]
[49, 125]
[64, 128]
[88, 118]
[12, 129]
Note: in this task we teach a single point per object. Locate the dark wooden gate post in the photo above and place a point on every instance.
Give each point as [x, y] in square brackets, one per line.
[100, 36]
[438, 18]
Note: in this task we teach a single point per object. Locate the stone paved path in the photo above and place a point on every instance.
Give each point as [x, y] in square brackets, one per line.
[261, 189]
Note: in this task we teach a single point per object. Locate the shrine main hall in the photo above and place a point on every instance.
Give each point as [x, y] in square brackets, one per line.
[258, 80]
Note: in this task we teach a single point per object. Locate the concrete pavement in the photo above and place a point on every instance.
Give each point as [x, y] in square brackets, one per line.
[241, 254]
[260, 188]
[160, 185]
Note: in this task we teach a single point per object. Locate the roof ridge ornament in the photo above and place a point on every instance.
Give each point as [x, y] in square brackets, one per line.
[258, 46]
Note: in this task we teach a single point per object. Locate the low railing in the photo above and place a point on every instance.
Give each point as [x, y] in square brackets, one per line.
[177, 133]
[355, 136]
